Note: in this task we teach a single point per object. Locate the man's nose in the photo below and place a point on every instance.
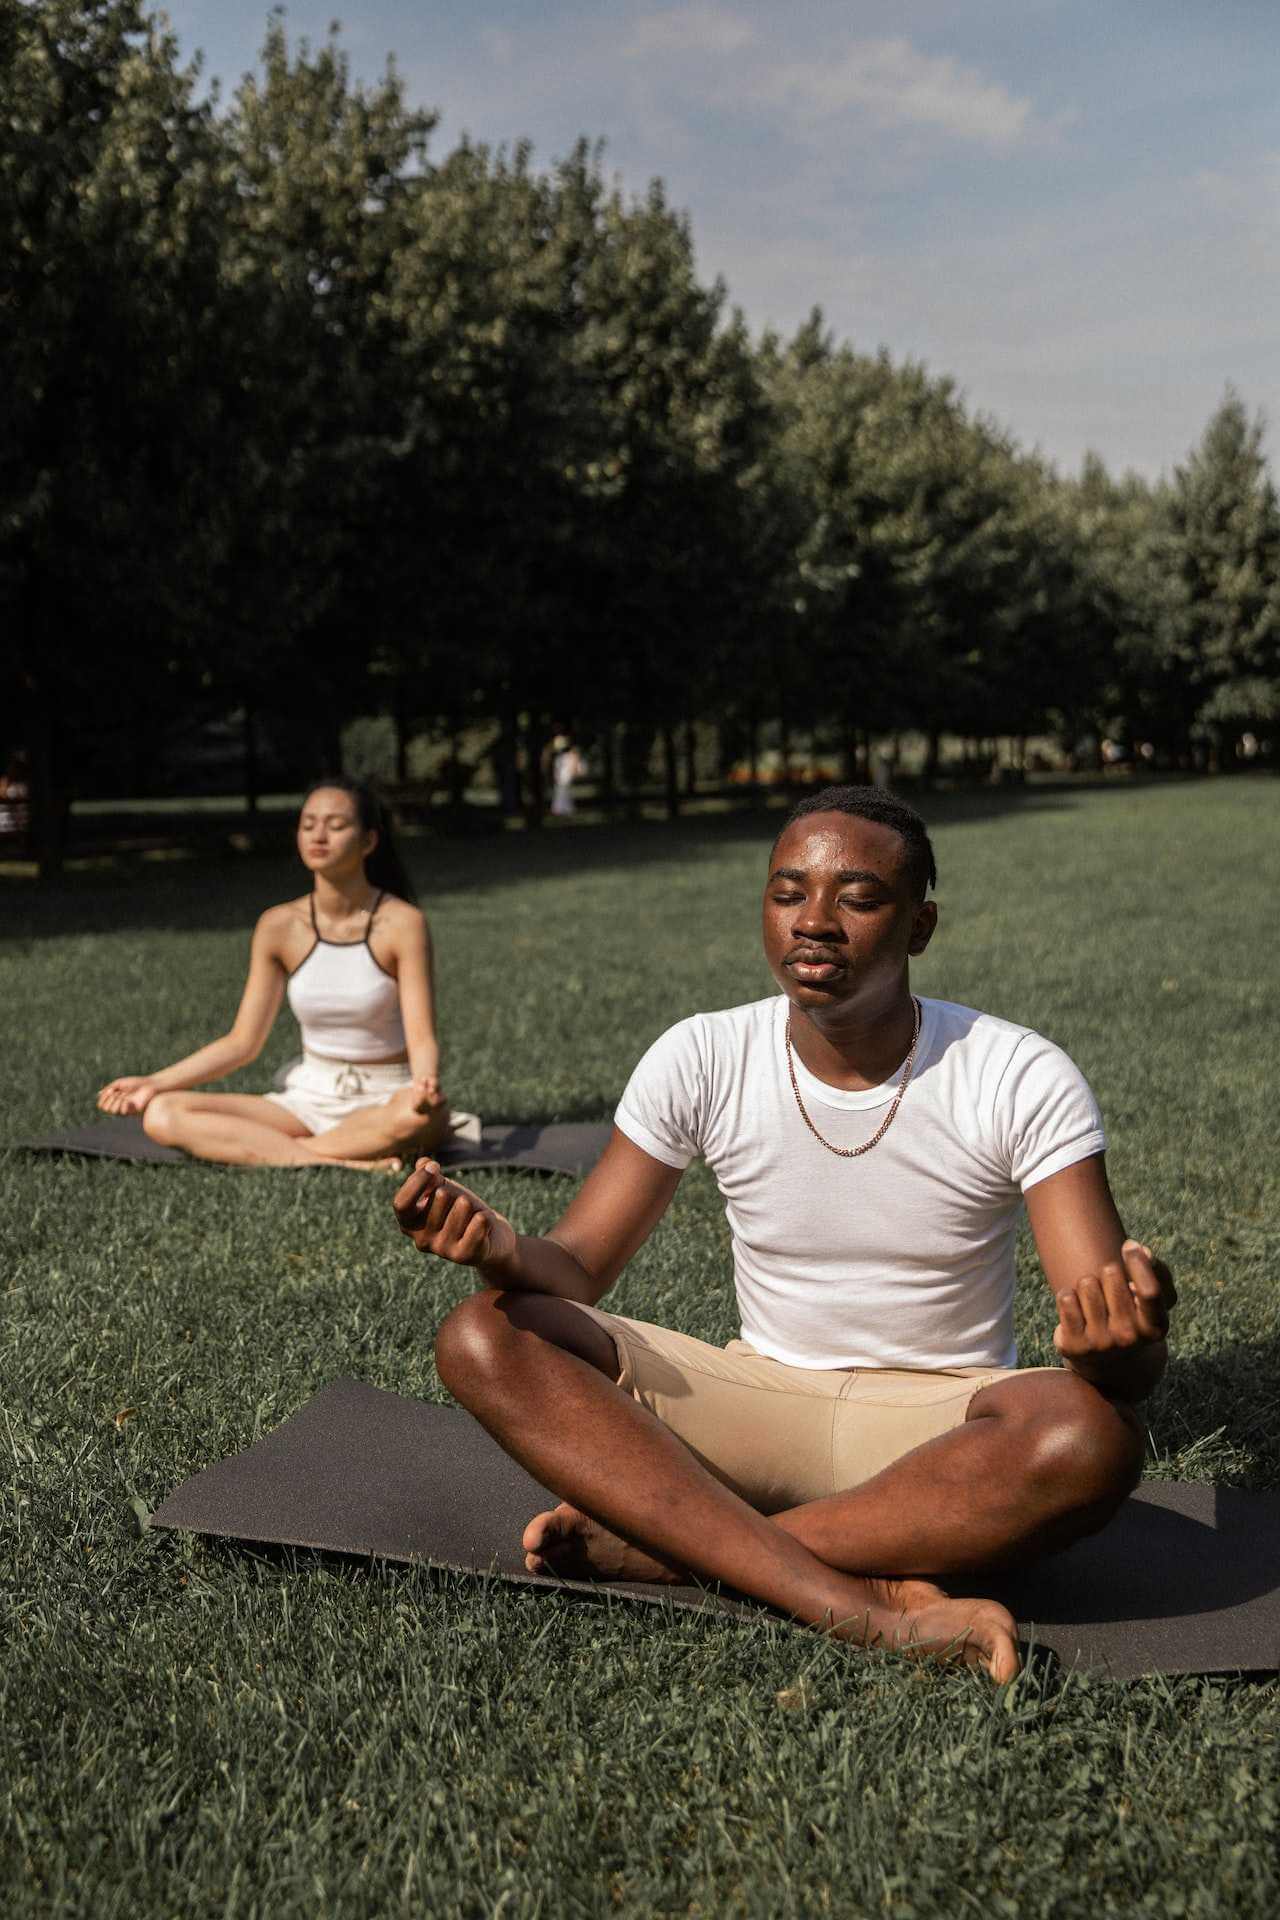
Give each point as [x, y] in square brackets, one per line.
[816, 920]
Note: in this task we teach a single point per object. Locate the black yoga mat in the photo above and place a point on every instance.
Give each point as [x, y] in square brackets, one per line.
[571, 1147]
[1186, 1579]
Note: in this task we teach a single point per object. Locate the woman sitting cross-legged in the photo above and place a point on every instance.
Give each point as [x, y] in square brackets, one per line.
[354, 957]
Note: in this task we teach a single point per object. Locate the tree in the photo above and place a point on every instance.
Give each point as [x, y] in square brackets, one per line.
[109, 235]
[325, 176]
[1222, 625]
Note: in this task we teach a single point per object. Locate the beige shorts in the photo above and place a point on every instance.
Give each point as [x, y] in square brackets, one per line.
[322, 1092]
[779, 1435]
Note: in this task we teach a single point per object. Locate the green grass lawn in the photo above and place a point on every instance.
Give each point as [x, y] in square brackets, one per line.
[191, 1729]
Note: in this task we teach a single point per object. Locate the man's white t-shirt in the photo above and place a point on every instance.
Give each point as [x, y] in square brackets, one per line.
[903, 1257]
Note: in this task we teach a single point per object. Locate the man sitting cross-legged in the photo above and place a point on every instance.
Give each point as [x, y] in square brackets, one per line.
[870, 1434]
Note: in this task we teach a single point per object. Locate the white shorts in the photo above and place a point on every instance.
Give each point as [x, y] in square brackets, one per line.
[321, 1092]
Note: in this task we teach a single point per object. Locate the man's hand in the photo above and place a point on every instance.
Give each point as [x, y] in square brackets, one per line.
[446, 1219]
[130, 1094]
[1109, 1314]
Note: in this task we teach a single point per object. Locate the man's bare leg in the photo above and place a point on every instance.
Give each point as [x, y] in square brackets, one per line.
[239, 1130]
[1040, 1461]
[542, 1378]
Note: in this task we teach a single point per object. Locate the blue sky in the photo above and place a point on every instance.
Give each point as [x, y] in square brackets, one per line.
[1072, 206]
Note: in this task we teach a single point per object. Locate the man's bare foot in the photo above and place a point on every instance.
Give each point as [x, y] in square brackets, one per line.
[573, 1546]
[911, 1617]
[915, 1618]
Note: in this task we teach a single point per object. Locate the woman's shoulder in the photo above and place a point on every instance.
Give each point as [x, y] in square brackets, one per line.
[280, 921]
[400, 915]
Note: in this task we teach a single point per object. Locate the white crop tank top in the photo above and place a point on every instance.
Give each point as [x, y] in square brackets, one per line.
[347, 1006]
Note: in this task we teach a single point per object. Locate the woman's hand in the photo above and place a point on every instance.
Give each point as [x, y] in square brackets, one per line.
[130, 1094]
[447, 1219]
[428, 1094]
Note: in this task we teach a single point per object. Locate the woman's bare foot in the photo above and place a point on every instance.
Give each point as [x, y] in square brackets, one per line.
[573, 1546]
[911, 1617]
[382, 1163]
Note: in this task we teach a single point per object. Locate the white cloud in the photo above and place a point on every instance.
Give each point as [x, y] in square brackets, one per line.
[897, 85]
[1115, 325]
[695, 29]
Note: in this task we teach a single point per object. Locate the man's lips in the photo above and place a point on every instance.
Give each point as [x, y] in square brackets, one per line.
[813, 966]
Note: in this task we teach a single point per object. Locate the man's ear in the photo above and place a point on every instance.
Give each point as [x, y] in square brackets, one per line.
[926, 919]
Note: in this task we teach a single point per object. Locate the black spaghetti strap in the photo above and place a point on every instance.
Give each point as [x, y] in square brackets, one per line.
[373, 909]
[315, 942]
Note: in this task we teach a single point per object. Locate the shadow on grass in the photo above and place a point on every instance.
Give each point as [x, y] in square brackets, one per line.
[201, 883]
[1224, 1402]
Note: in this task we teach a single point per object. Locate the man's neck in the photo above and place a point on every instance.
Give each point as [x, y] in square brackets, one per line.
[855, 1047]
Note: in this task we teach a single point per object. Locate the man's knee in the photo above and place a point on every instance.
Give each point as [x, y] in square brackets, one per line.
[1082, 1451]
[469, 1345]
[491, 1334]
[1087, 1448]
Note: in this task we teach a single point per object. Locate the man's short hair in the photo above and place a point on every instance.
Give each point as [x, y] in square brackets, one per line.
[873, 803]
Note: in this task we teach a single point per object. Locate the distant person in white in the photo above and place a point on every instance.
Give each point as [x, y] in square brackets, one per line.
[869, 1435]
[567, 765]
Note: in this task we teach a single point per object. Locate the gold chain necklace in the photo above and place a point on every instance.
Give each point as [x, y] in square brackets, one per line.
[852, 1153]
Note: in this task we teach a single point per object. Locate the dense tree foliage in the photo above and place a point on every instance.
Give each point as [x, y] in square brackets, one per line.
[303, 422]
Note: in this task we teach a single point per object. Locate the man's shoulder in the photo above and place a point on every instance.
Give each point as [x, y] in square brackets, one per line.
[973, 1025]
[705, 1043]
[727, 1029]
[972, 1042]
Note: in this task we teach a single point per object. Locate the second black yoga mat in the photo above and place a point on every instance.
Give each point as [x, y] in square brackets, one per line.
[559, 1147]
[1186, 1579]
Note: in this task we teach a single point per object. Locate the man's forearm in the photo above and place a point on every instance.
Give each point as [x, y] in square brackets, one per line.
[1127, 1374]
[541, 1265]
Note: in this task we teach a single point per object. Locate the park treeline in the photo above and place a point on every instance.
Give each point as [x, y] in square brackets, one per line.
[304, 421]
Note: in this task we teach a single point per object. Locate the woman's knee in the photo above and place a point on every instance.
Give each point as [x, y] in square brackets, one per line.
[159, 1117]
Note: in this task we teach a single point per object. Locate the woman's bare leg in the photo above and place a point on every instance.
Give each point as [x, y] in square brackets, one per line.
[402, 1127]
[236, 1130]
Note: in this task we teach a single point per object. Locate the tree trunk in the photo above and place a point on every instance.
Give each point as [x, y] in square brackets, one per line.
[671, 772]
[534, 796]
[46, 830]
[849, 755]
[690, 760]
[608, 773]
[753, 756]
[251, 793]
[505, 764]
[933, 756]
[723, 752]
[457, 780]
[400, 721]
